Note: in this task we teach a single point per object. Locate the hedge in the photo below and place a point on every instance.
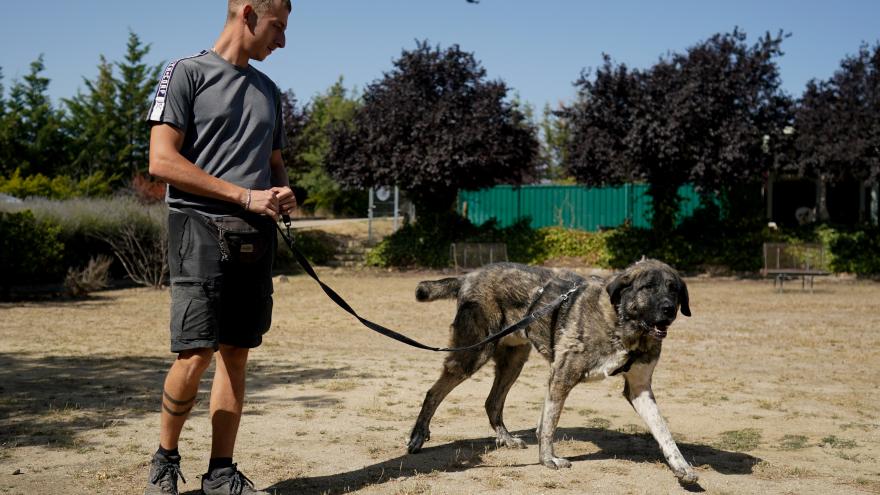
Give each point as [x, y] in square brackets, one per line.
[694, 245]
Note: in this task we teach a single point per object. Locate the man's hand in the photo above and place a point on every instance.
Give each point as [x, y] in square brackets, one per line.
[286, 200]
[264, 202]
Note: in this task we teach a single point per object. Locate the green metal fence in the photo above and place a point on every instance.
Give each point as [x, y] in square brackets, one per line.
[576, 207]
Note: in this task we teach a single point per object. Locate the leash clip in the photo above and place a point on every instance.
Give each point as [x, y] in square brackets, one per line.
[286, 220]
[571, 291]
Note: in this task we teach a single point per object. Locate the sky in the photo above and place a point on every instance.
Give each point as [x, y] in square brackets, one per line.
[538, 47]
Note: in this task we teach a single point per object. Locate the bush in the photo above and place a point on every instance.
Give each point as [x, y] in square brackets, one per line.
[704, 240]
[30, 249]
[94, 276]
[428, 245]
[88, 225]
[141, 245]
[852, 251]
[59, 187]
[556, 242]
[424, 243]
[317, 246]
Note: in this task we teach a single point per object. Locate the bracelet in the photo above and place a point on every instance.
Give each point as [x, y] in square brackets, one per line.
[247, 203]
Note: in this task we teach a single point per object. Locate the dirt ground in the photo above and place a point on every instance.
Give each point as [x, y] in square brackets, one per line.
[765, 393]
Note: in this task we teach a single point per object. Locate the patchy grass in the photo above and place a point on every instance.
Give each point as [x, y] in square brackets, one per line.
[341, 385]
[838, 443]
[793, 442]
[770, 471]
[740, 440]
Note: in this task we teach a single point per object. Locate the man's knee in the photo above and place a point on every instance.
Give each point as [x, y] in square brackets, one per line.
[196, 361]
[234, 358]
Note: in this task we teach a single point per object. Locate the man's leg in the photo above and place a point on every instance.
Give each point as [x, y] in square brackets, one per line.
[179, 393]
[227, 399]
[178, 398]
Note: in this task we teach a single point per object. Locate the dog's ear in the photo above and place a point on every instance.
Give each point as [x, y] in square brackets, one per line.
[616, 287]
[684, 299]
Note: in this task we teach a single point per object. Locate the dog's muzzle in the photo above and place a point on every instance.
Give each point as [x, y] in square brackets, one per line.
[659, 331]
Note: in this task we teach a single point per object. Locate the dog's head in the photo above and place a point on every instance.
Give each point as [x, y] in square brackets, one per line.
[649, 293]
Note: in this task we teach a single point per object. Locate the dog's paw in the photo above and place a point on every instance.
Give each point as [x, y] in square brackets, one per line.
[556, 463]
[687, 476]
[417, 439]
[510, 442]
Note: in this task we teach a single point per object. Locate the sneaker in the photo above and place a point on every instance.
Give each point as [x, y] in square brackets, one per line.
[229, 481]
[163, 476]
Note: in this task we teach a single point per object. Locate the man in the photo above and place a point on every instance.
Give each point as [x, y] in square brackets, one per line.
[216, 139]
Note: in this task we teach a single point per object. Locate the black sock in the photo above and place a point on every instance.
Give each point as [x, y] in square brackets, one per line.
[219, 463]
[169, 454]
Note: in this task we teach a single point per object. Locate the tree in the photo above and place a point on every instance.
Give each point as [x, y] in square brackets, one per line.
[5, 142]
[712, 117]
[134, 87]
[106, 123]
[94, 124]
[837, 125]
[308, 133]
[2, 97]
[554, 137]
[432, 125]
[35, 141]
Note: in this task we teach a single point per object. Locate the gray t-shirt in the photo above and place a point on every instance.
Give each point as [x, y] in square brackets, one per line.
[231, 119]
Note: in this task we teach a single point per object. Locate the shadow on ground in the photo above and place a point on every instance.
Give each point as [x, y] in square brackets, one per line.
[468, 454]
[49, 400]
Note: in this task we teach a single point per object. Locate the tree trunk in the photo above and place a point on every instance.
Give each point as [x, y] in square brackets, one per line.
[822, 200]
[875, 199]
[664, 201]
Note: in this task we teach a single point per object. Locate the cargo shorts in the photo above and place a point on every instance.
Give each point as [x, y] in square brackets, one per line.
[221, 280]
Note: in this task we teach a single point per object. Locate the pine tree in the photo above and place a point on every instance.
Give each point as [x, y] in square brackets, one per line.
[5, 145]
[36, 142]
[134, 86]
[95, 127]
[2, 97]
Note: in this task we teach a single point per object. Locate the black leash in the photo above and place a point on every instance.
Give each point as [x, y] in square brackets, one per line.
[304, 263]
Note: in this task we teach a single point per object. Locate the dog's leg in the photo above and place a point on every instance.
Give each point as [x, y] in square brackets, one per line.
[637, 391]
[561, 382]
[509, 362]
[456, 369]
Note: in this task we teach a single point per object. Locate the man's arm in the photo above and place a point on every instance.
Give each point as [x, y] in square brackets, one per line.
[167, 164]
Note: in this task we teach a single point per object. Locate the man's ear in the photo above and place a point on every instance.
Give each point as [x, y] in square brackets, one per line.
[249, 15]
[616, 287]
[684, 299]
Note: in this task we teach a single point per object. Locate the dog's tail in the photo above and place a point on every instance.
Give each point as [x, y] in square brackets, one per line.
[431, 290]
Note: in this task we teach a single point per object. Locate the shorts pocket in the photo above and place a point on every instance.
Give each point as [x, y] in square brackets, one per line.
[193, 310]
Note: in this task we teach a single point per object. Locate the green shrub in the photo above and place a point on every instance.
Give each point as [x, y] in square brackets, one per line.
[30, 249]
[425, 243]
[557, 242]
[428, 245]
[702, 240]
[317, 246]
[852, 251]
[59, 187]
[86, 224]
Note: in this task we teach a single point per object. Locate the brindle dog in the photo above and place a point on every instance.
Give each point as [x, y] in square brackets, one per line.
[604, 328]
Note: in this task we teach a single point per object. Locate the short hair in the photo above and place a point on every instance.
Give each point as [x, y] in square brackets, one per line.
[259, 6]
